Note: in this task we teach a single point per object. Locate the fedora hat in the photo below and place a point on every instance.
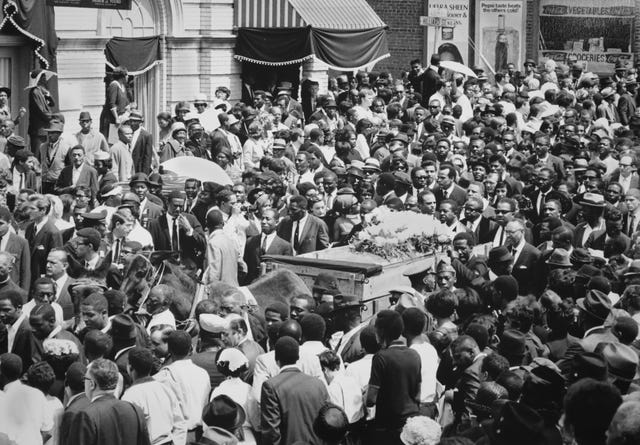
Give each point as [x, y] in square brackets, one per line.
[559, 258]
[596, 304]
[580, 256]
[84, 116]
[588, 364]
[326, 283]
[622, 360]
[122, 327]
[517, 423]
[565, 201]
[592, 200]
[223, 412]
[633, 269]
[499, 254]
[139, 177]
[135, 115]
[512, 344]
[55, 127]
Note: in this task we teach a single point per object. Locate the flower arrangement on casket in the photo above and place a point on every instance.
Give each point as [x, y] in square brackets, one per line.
[400, 235]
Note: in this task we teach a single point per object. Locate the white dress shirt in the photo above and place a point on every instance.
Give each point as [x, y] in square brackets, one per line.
[75, 174]
[60, 284]
[13, 330]
[430, 361]
[345, 392]
[24, 414]
[31, 304]
[191, 386]
[269, 240]
[165, 317]
[300, 224]
[360, 370]
[161, 409]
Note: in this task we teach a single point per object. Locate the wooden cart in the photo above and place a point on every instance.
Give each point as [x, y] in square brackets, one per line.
[368, 276]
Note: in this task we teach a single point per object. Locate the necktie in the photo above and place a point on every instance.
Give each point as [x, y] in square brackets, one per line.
[263, 247]
[296, 243]
[116, 251]
[632, 224]
[174, 235]
[501, 236]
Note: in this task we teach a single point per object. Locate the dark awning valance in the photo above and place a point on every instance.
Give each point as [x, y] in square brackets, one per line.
[35, 20]
[273, 46]
[350, 50]
[137, 54]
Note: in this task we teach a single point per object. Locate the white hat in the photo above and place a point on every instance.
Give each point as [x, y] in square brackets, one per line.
[234, 357]
[213, 324]
[200, 98]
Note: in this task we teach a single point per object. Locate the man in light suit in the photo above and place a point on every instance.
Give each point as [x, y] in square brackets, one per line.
[18, 247]
[79, 173]
[179, 232]
[306, 232]
[290, 401]
[525, 257]
[142, 143]
[267, 243]
[222, 256]
[42, 236]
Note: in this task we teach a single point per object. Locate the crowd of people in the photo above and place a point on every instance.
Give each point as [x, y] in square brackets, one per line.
[525, 330]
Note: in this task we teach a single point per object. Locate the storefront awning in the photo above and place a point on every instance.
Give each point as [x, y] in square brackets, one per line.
[137, 54]
[345, 34]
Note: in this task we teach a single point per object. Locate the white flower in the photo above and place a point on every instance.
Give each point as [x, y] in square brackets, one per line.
[58, 347]
[421, 430]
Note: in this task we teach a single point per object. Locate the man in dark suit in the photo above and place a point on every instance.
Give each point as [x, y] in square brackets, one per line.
[267, 243]
[385, 188]
[430, 78]
[611, 240]
[57, 264]
[306, 232]
[483, 229]
[77, 402]
[470, 269]
[142, 152]
[79, 173]
[107, 420]
[542, 157]
[42, 236]
[179, 232]
[525, 257]
[544, 180]
[447, 188]
[466, 358]
[11, 315]
[149, 210]
[290, 401]
[18, 247]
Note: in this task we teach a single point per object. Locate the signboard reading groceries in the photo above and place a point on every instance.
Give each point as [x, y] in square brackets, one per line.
[597, 32]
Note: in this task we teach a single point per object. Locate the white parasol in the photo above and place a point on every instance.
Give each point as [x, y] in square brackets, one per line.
[458, 68]
[35, 75]
[197, 168]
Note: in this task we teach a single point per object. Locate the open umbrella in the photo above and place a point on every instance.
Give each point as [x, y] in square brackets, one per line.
[458, 68]
[184, 167]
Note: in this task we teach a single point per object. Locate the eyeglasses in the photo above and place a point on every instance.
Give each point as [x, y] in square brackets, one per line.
[502, 212]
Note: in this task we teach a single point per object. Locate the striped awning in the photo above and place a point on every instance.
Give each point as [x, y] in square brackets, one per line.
[324, 14]
[266, 14]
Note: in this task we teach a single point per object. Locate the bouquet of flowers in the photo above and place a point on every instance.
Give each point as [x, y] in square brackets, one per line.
[399, 235]
[60, 354]
[421, 430]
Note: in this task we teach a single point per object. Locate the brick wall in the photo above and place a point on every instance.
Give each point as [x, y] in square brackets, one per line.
[405, 32]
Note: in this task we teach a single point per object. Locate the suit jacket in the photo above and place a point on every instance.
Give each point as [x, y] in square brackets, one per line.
[625, 224]
[107, 421]
[467, 274]
[429, 79]
[587, 344]
[23, 344]
[142, 152]
[107, 179]
[251, 350]
[290, 403]
[314, 236]
[88, 178]
[222, 259]
[626, 108]
[467, 389]
[525, 269]
[252, 254]
[485, 231]
[77, 405]
[458, 194]
[65, 301]
[21, 272]
[598, 240]
[191, 247]
[154, 209]
[40, 244]
[553, 162]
